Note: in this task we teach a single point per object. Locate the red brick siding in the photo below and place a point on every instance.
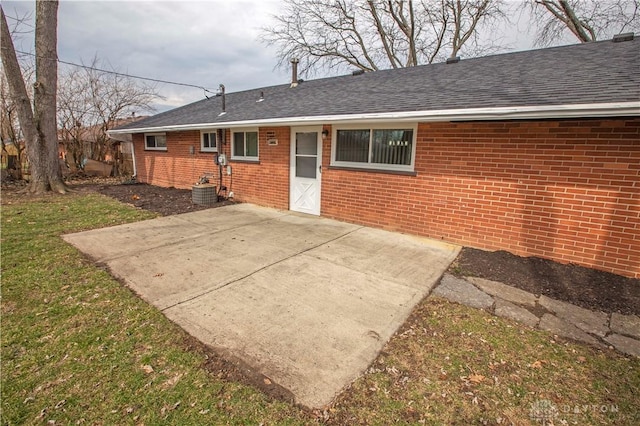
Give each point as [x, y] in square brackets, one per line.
[564, 190]
[176, 166]
[265, 183]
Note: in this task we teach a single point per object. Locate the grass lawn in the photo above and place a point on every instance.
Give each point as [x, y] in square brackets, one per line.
[80, 348]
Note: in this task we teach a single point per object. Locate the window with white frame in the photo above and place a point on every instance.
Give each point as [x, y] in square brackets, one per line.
[385, 147]
[209, 140]
[155, 141]
[244, 145]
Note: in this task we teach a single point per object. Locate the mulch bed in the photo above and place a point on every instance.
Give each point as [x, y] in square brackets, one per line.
[165, 201]
[588, 288]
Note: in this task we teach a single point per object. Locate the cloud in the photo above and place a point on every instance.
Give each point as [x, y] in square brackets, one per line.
[203, 43]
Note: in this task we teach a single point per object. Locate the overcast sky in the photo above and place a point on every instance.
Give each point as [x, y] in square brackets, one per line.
[203, 43]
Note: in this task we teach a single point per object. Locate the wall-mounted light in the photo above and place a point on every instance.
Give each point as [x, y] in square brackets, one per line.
[325, 133]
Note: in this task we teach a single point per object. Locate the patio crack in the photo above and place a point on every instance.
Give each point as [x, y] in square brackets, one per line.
[260, 269]
[186, 240]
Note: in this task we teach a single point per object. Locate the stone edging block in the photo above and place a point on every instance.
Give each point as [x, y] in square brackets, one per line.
[586, 320]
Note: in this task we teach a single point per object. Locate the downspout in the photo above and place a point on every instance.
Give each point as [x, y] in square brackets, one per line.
[133, 157]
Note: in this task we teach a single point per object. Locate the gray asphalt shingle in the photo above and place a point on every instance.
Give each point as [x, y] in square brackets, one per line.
[599, 72]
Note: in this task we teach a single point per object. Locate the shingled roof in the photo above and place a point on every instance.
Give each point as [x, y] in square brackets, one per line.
[602, 78]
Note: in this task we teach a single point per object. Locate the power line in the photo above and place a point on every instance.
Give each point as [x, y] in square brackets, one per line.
[124, 74]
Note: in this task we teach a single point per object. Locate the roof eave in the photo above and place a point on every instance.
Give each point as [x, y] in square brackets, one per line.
[612, 109]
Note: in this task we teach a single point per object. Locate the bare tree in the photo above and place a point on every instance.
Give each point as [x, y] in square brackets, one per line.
[10, 134]
[73, 112]
[38, 125]
[586, 20]
[114, 96]
[92, 100]
[375, 34]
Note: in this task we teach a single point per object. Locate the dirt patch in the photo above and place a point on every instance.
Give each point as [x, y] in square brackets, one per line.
[588, 288]
[165, 201]
[237, 370]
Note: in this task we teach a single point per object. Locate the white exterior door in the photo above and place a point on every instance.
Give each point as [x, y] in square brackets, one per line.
[306, 169]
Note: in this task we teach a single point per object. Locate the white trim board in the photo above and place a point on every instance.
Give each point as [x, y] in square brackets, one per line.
[602, 110]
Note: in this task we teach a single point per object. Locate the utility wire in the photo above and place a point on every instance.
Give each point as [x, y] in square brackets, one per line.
[123, 74]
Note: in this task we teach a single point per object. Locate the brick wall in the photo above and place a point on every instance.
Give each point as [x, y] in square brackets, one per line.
[175, 167]
[564, 190]
[265, 183]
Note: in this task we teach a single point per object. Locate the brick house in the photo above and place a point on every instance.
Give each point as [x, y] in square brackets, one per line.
[536, 152]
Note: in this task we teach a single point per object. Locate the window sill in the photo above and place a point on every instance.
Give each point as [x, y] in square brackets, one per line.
[371, 170]
[208, 151]
[156, 149]
[245, 160]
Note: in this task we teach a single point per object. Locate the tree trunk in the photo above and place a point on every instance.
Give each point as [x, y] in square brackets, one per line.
[17, 89]
[45, 99]
[39, 126]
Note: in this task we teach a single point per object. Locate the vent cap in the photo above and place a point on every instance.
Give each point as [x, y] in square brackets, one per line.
[618, 38]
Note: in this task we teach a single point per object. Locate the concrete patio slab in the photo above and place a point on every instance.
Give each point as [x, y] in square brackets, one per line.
[306, 301]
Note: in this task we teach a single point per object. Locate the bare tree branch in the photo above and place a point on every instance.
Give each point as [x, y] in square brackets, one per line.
[397, 12]
[586, 20]
[91, 102]
[375, 34]
[382, 33]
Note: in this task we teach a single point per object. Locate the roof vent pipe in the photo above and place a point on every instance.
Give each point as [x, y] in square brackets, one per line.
[622, 37]
[294, 72]
[224, 98]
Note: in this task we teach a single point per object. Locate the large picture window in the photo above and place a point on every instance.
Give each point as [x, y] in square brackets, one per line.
[384, 148]
[155, 141]
[245, 145]
[353, 145]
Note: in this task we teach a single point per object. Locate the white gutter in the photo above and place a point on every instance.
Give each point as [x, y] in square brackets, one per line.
[122, 137]
[614, 109]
